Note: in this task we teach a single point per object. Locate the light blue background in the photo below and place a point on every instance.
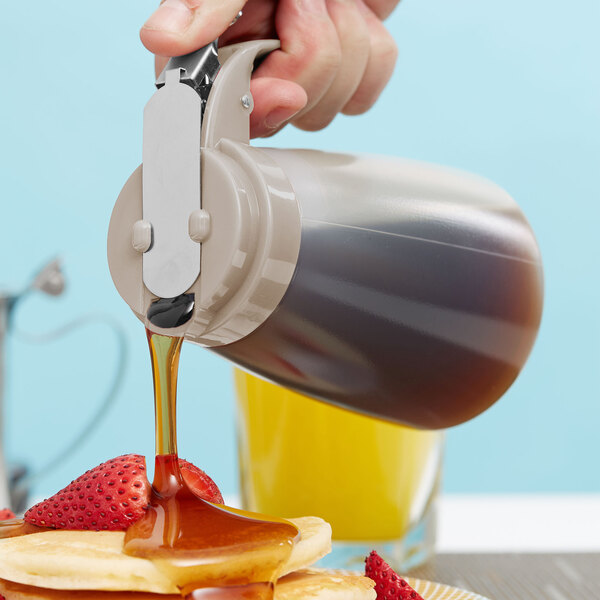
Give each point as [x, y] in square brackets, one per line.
[509, 90]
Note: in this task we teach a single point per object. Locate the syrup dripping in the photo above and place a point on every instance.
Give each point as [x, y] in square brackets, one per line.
[210, 551]
[18, 527]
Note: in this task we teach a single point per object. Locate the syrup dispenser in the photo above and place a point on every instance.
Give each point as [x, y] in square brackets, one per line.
[398, 289]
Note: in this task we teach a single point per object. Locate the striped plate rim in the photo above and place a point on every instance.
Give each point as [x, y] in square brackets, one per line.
[431, 590]
[438, 591]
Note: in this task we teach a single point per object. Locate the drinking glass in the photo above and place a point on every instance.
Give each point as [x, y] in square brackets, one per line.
[375, 482]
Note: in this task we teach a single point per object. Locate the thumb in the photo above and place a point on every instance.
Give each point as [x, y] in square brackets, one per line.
[182, 26]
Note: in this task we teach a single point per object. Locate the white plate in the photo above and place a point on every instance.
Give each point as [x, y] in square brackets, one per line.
[437, 591]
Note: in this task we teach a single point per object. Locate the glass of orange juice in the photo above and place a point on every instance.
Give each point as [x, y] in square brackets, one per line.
[375, 482]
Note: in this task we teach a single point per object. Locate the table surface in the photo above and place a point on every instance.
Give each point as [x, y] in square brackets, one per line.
[519, 546]
[518, 576]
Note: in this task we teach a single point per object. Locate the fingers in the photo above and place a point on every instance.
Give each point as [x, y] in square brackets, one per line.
[353, 36]
[336, 55]
[310, 53]
[181, 26]
[337, 50]
[276, 101]
[383, 54]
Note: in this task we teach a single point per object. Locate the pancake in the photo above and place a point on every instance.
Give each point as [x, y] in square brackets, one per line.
[307, 584]
[325, 584]
[90, 560]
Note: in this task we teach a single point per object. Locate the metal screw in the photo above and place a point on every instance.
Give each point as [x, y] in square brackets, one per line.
[236, 18]
[246, 101]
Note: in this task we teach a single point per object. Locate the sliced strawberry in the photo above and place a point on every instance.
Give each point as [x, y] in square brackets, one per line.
[199, 482]
[112, 496]
[388, 584]
[6, 514]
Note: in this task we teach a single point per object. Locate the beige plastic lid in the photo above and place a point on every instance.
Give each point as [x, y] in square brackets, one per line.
[248, 226]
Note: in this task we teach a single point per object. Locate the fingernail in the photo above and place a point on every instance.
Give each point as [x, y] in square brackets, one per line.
[171, 15]
[276, 118]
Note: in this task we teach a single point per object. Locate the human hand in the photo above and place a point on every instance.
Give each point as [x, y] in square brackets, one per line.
[336, 55]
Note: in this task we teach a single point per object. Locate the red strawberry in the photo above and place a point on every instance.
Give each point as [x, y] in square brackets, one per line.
[111, 496]
[6, 514]
[388, 584]
[199, 482]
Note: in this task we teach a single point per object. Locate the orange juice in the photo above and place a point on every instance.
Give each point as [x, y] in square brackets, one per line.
[370, 479]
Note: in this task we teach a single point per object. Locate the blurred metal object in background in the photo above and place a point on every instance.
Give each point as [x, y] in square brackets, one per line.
[49, 280]
[16, 482]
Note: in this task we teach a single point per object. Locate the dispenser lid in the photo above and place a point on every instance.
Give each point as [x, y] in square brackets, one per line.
[231, 236]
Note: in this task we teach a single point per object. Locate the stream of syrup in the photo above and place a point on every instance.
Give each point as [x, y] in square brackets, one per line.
[208, 550]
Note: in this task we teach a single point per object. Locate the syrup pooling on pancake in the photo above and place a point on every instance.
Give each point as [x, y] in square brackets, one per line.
[17, 527]
[220, 552]
[94, 560]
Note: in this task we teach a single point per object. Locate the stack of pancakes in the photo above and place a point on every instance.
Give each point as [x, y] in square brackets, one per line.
[89, 565]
